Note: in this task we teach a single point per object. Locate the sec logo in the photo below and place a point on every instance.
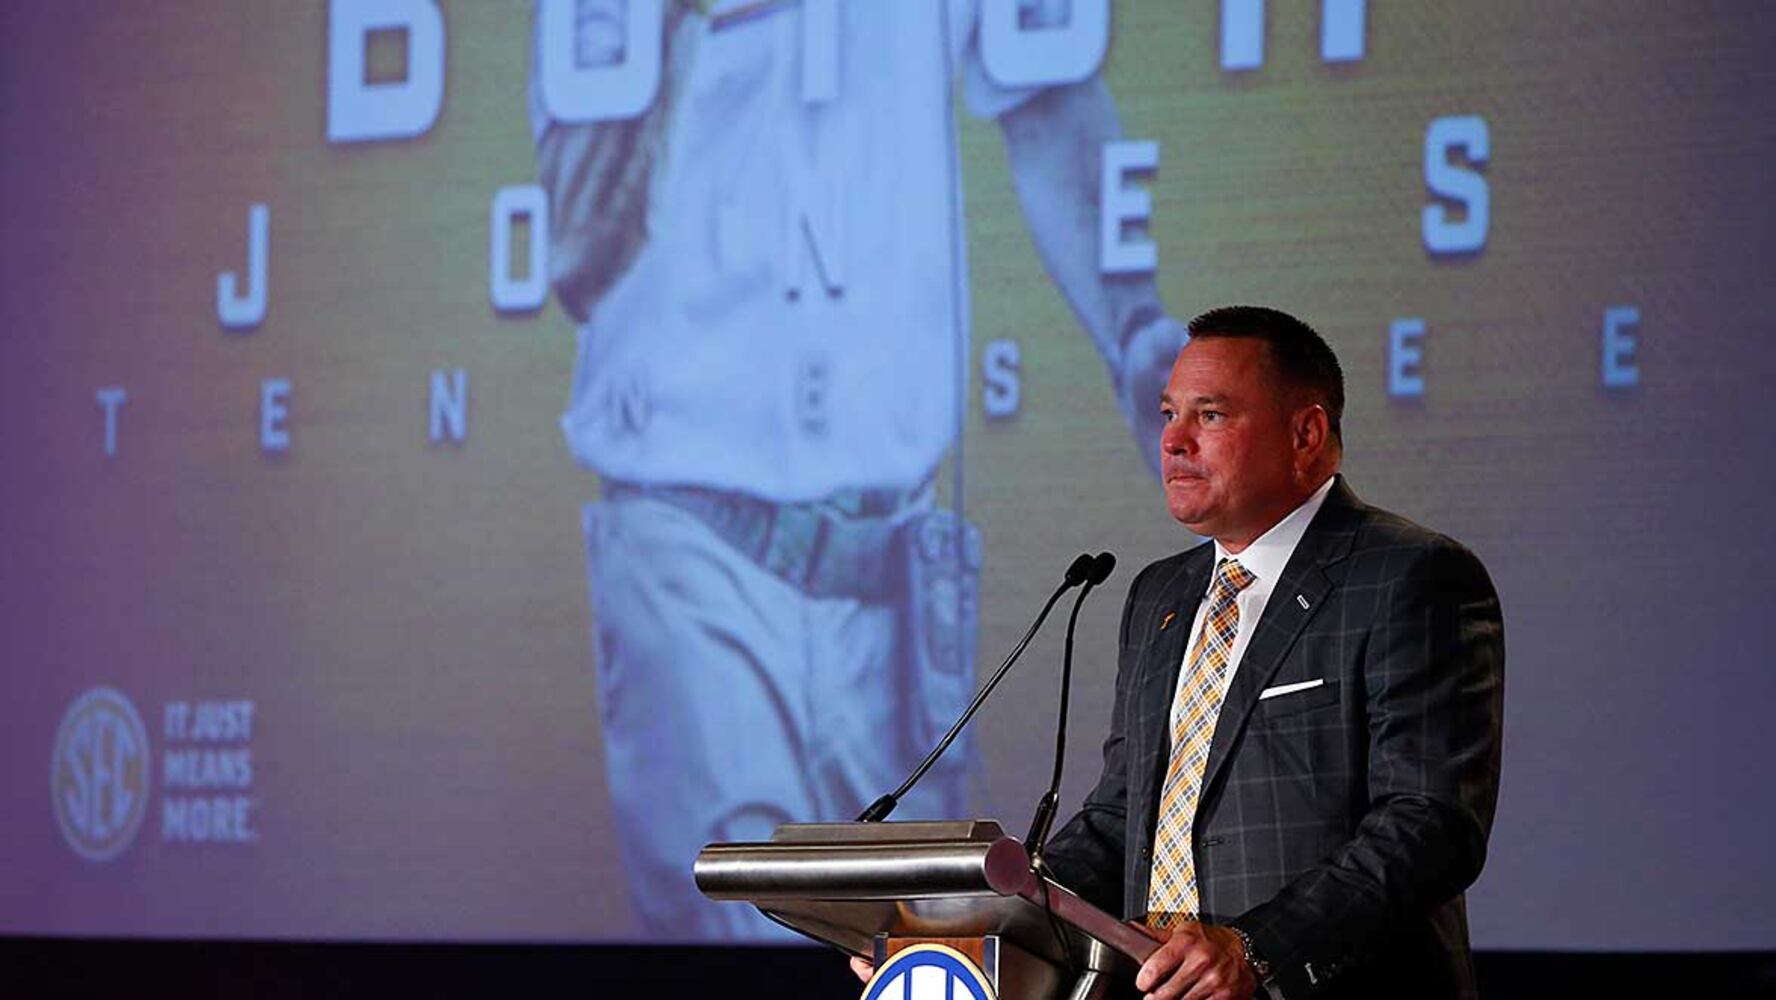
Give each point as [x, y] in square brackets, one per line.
[98, 774]
[929, 972]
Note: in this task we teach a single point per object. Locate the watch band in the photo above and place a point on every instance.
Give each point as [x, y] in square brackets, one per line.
[1258, 964]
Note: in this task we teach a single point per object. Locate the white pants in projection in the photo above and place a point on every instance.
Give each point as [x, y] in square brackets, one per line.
[732, 701]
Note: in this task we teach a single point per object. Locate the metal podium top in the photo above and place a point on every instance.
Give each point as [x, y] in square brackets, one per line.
[845, 883]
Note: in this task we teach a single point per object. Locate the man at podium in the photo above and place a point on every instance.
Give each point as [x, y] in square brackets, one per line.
[1303, 759]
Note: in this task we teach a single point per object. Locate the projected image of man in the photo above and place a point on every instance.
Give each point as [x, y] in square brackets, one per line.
[767, 262]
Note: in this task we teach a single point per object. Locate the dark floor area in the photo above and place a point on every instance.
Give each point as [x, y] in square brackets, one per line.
[40, 967]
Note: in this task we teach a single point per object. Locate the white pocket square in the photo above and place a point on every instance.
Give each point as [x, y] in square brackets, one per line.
[1282, 689]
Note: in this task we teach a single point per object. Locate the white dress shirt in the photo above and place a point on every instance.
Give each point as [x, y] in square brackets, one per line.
[1265, 559]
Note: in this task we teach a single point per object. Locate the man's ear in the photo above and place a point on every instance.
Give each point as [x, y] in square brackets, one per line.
[1310, 433]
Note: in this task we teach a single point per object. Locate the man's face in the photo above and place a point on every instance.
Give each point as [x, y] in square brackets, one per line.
[1226, 451]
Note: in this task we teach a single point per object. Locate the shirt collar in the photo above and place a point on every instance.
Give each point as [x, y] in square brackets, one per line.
[1266, 557]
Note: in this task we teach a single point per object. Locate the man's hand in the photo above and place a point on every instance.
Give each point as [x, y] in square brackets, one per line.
[1146, 365]
[862, 968]
[1198, 962]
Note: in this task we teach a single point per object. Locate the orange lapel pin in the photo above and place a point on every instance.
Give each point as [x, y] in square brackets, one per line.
[1167, 620]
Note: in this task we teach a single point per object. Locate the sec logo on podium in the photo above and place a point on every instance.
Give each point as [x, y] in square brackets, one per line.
[929, 972]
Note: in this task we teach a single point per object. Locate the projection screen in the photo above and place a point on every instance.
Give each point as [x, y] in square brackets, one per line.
[460, 456]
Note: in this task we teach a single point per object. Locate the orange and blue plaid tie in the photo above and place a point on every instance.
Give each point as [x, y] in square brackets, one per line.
[1171, 892]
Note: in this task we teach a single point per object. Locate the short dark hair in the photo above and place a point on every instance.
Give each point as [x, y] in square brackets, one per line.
[1301, 358]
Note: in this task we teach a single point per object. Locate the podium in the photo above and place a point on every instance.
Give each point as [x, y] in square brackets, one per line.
[876, 889]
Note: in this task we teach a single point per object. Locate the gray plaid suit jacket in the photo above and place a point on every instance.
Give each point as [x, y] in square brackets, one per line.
[1338, 825]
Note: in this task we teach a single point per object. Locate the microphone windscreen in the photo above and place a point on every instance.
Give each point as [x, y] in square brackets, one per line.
[1081, 568]
[1102, 564]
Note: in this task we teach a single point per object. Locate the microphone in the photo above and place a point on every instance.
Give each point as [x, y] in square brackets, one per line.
[1078, 572]
[1101, 565]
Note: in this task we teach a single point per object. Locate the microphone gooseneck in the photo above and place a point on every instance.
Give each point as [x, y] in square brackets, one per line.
[1080, 571]
[1101, 566]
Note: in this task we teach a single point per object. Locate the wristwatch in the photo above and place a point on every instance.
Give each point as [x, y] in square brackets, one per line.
[1259, 965]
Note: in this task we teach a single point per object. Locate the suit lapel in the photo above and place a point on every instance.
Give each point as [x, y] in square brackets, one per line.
[1161, 661]
[1298, 596]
